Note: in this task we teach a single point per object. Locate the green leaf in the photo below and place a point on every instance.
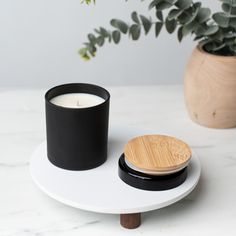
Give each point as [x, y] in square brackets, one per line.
[174, 13]
[153, 4]
[187, 16]
[135, 31]
[92, 49]
[183, 4]
[158, 27]
[147, 24]
[92, 38]
[163, 5]
[193, 16]
[119, 24]
[209, 46]
[170, 25]
[83, 51]
[85, 57]
[135, 18]
[203, 14]
[228, 9]
[97, 31]
[116, 36]
[197, 5]
[109, 38]
[100, 41]
[103, 32]
[217, 36]
[180, 33]
[159, 15]
[221, 19]
[88, 1]
[203, 30]
[189, 28]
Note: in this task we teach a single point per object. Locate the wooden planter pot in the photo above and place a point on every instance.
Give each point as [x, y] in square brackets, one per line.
[210, 89]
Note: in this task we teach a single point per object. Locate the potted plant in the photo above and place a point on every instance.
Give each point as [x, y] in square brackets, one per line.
[210, 78]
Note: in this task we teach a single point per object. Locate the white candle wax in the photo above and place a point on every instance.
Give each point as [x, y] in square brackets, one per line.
[77, 100]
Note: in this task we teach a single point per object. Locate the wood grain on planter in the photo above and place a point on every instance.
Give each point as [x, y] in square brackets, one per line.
[210, 89]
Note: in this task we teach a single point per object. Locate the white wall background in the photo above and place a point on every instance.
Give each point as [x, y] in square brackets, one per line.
[39, 40]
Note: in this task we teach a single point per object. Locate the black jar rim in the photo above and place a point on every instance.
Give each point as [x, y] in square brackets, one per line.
[59, 88]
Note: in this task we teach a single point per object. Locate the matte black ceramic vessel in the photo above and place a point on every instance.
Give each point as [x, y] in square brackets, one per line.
[150, 182]
[77, 137]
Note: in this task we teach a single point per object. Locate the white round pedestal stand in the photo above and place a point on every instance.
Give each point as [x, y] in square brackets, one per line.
[101, 190]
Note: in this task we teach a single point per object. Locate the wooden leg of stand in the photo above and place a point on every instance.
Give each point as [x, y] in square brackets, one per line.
[130, 221]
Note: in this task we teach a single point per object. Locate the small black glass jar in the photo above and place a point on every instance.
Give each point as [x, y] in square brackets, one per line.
[149, 182]
[77, 137]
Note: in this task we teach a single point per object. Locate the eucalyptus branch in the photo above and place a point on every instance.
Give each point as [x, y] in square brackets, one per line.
[215, 32]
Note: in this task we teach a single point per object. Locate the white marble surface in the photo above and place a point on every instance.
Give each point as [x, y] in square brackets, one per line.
[26, 211]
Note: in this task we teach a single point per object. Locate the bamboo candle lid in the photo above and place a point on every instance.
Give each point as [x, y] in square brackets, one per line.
[157, 153]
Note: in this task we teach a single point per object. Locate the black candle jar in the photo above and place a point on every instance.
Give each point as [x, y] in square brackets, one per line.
[77, 137]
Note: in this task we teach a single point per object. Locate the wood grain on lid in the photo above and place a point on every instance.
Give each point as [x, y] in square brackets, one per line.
[157, 153]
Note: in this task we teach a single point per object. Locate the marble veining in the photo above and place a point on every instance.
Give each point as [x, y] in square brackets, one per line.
[26, 211]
